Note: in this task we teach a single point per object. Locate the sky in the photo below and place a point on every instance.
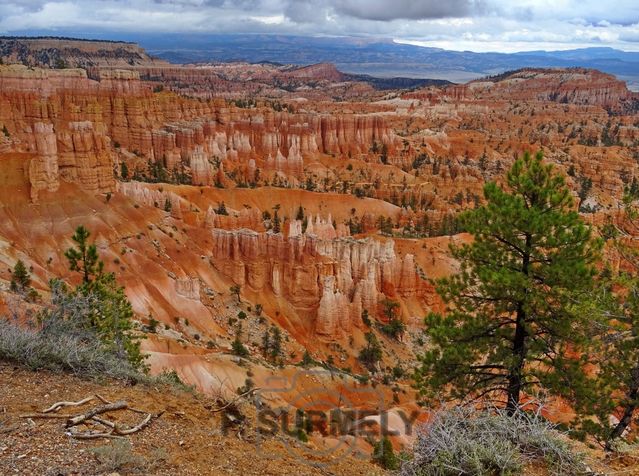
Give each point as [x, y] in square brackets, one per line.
[475, 25]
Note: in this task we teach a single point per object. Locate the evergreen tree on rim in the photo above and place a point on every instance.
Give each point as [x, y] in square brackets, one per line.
[509, 326]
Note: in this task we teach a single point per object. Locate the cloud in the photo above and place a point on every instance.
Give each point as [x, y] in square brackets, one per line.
[479, 25]
[384, 10]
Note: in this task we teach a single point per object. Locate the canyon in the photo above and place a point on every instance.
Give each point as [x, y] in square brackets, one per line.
[278, 197]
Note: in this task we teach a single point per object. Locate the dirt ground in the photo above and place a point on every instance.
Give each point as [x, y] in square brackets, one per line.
[188, 438]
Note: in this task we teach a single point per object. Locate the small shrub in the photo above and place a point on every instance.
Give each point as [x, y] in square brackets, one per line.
[301, 435]
[171, 377]
[486, 442]
[239, 349]
[153, 325]
[384, 455]
[394, 328]
[60, 346]
[118, 456]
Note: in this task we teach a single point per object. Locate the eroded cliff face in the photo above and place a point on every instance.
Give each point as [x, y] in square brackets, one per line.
[90, 126]
[321, 270]
[68, 53]
[572, 85]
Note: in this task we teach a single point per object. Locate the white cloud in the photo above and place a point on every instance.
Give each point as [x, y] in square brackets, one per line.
[478, 25]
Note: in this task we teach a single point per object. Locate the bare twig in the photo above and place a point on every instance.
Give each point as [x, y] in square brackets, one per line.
[43, 415]
[135, 410]
[104, 422]
[76, 420]
[136, 428]
[92, 436]
[56, 406]
[224, 407]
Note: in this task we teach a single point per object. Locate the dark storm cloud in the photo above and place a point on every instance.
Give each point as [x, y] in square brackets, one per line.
[384, 10]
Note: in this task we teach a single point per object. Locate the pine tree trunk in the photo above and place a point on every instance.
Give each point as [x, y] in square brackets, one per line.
[519, 353]
[515, 379]
[633, 402]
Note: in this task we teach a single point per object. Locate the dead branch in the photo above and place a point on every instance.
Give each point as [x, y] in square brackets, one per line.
[135, 410]
[114, 430]
[129, 431]
[101, 398]
[92, 436]
[56, 406]
[76, 420]
[136, 428]
[43, 415]
[104, 422]
[215, 410]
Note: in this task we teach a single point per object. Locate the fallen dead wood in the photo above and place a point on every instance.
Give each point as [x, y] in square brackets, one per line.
[56, 406]
[92, 436]
[114, 430]
[135, 410]
[136, 428]
[76, 420]
[128, 431]
[224, 407]
[43, 415]
[104, 422]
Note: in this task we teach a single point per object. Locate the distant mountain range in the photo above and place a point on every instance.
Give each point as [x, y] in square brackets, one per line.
[376, 57]
[383, 58]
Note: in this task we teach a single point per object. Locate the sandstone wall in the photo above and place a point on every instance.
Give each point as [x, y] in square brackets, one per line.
[334, 277]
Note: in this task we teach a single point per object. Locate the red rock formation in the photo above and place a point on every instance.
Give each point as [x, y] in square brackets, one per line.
[318, 72]
[336, 277]
[572, 85]
[152, 198]
[43, 168]
[201, 136]
[85, 157]
[250, 218]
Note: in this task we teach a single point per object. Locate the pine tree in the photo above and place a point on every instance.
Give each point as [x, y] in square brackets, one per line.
[508, 323]
[617, 358]
[236, 289]
[110, 314]
[307, 359]
[266, 342]
[236, 346]
[395, 327]
[300, 213]
[616, 304]
[124, 171]
[384, 455]
[221, 209]
[276, 222]
[372, 353]
[84, 258]
[276, 343]
[20, 278]
[384, 155]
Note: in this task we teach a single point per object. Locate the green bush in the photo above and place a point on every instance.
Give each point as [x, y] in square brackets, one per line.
[239, 349]
[384, 455]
